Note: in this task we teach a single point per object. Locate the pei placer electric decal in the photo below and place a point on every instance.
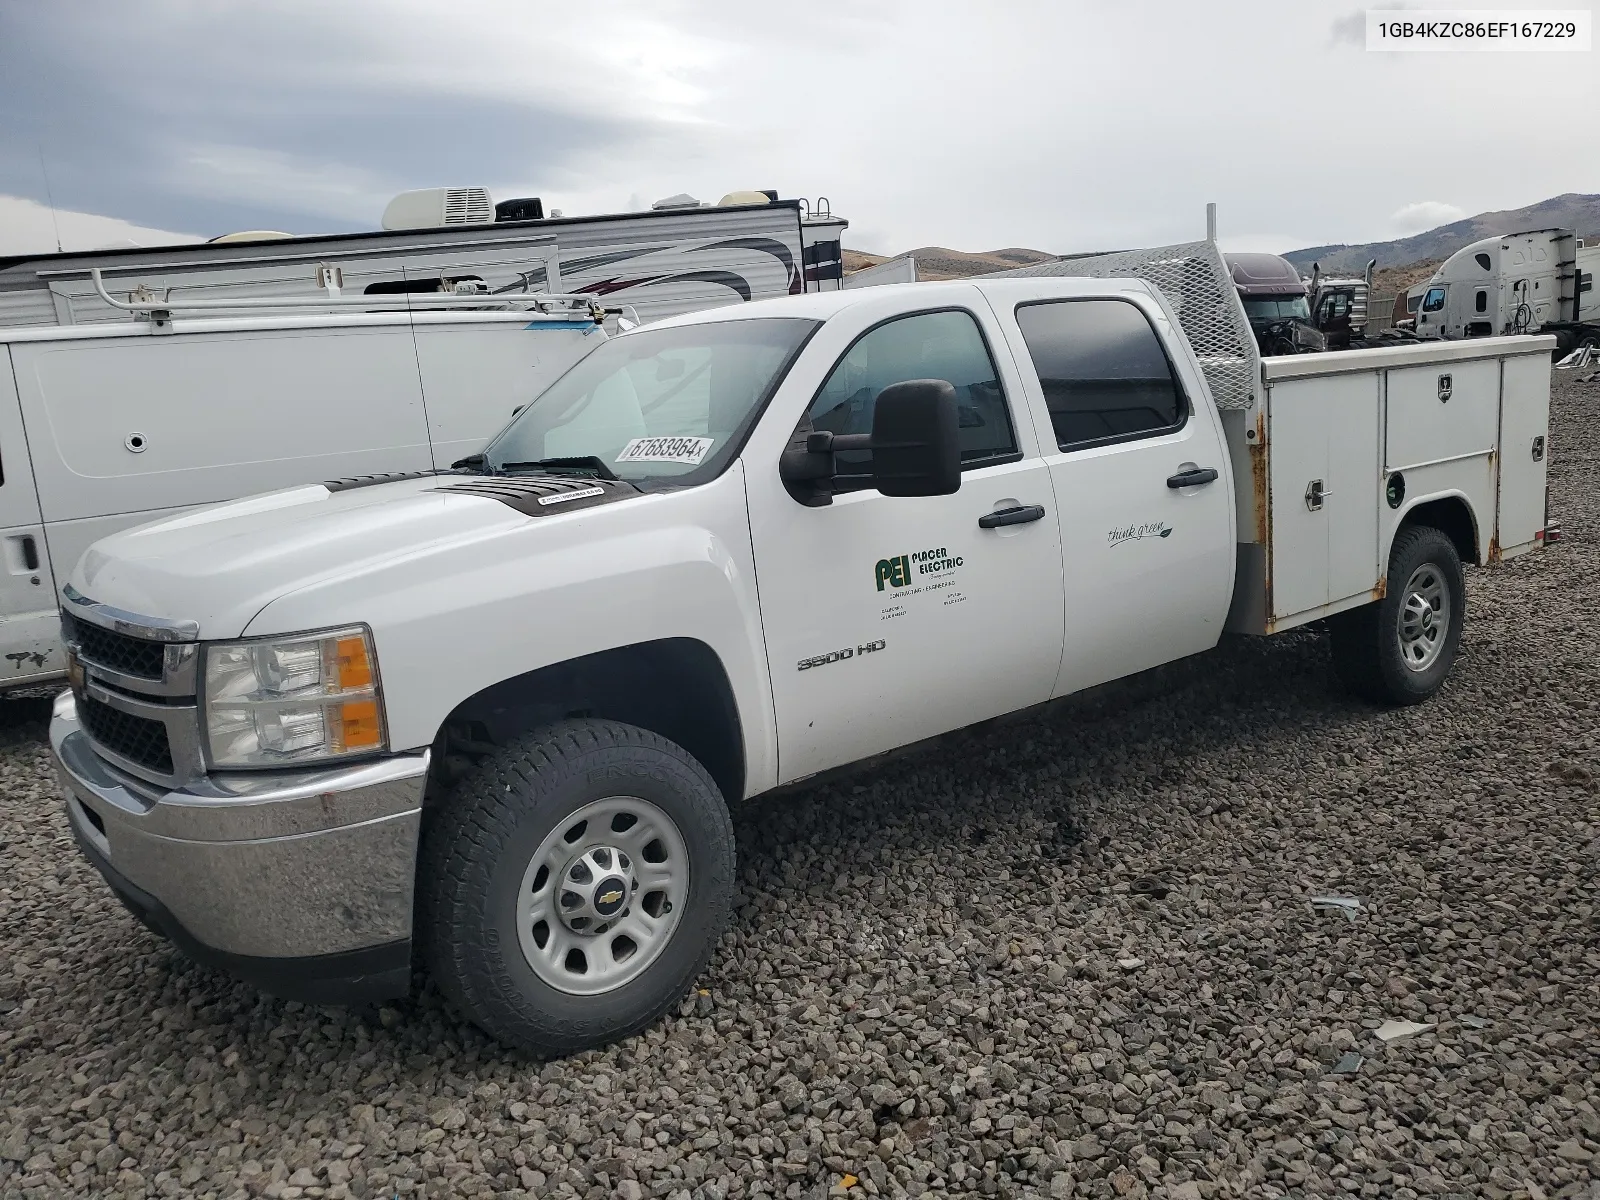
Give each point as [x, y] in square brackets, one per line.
[902, 576]
[903, 569]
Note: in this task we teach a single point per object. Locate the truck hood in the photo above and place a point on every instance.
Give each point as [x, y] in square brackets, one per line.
[221, 565]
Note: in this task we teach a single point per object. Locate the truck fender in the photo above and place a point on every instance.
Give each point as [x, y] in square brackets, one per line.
[675, 687]
[1450, 511]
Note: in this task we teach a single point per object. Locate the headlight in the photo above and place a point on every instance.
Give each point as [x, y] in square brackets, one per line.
[293, 699]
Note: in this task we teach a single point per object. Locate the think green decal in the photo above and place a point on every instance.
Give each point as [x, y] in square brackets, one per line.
[1135, 533]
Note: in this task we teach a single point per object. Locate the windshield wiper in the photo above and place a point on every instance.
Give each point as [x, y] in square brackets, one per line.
[472, 462]
[586, 465]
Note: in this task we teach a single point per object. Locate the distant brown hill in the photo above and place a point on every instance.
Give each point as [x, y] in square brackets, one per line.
[940, 262]
[1386, 281]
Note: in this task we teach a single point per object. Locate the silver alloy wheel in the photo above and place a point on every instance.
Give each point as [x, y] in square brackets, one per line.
[602, 895]
[1424, 621]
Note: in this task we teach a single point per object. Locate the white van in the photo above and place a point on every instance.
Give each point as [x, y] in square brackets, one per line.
[109, 425]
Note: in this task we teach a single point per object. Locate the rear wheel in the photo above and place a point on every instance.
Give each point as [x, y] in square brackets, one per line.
[575, 884]
[1399, 650]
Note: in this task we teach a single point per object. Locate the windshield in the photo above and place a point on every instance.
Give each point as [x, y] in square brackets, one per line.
[1271, 307]
[656, 404]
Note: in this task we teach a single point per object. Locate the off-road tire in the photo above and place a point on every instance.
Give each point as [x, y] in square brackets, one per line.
[476, 848]
[1367, 653]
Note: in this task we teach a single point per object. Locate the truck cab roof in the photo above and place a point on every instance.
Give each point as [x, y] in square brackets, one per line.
[1264, 275]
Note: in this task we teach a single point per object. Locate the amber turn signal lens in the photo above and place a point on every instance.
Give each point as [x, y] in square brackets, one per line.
[358, 719]
[352, 664]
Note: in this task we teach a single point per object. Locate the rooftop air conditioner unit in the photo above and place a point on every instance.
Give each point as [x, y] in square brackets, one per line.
[433, 207]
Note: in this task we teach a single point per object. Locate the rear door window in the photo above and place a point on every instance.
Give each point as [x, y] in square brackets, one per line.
[1105, 375]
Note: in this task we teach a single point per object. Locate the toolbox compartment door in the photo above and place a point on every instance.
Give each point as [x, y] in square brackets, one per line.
[1524, 453]
[1323, 442]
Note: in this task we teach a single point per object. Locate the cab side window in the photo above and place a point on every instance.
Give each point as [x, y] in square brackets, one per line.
[1104, 372]
[935, 345]
[1434, 300]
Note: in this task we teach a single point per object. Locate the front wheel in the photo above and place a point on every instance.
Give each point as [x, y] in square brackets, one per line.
[575, 884]
[1399, 650]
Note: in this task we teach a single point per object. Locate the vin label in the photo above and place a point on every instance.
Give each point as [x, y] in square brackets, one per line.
[1481, 30]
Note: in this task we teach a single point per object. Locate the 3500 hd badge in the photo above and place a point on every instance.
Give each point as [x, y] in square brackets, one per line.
[833, 656]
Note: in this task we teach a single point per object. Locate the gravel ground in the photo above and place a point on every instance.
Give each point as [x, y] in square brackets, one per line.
[1070, 956]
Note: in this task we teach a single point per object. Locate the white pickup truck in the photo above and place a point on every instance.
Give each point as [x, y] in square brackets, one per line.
[492, 720]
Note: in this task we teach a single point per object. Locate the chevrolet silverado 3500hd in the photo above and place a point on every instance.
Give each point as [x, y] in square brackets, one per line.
[496, 717]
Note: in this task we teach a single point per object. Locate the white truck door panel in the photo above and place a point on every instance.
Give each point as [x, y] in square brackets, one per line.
[475, 376]
[892, 619]
[1524, 455]
[913, 620]
[29, 626]
[1323, 442]
[142, 424]
[1149, 567]
[1441, 411]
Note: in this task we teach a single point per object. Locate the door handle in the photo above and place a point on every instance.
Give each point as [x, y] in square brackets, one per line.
[1192, 478]
[1020, 515]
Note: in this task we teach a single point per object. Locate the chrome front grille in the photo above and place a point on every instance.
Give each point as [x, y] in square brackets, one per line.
[115, 651]
[133, 739]
[136, 690]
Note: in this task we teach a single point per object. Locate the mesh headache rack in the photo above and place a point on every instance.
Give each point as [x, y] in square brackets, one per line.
[1198, 286]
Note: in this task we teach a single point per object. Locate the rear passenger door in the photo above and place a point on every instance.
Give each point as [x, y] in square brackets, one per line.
[1141, 479]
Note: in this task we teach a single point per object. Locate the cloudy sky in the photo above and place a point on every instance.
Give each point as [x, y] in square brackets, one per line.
[1046, 123]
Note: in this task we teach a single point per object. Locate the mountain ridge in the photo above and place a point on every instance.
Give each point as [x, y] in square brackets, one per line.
[1402, 257]
[1571, 210]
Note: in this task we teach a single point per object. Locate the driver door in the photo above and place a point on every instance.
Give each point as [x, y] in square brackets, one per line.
[892, 619]
[1333, 317]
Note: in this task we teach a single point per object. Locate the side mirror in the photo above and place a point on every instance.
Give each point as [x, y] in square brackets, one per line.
[916, 449]
[915, 445]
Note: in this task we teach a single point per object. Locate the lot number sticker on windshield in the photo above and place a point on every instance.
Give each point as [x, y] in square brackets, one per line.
[690, 450]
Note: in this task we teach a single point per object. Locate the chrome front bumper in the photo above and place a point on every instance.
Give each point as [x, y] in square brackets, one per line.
[301, 883]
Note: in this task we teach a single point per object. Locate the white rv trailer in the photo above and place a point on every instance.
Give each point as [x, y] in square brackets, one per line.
[111, 424]
[661, 263]
[1539, 281]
